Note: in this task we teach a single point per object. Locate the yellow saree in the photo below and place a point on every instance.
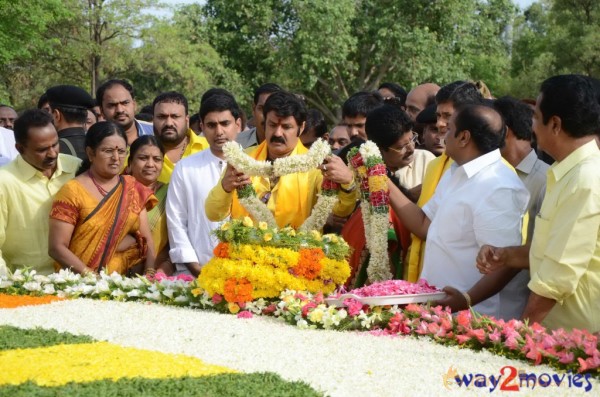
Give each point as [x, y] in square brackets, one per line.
[101, 226]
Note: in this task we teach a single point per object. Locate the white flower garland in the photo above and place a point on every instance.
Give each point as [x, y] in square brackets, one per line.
[235, 155]
[320, 213]
[303, 162]
[258, 210]
[242, 162]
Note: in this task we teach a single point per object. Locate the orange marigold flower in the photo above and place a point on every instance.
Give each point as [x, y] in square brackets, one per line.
[309, 264]
[238, 290]
[12, 301]
[221, 250]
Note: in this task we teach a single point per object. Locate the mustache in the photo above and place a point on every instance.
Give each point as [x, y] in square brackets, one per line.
[168, 128]
[277, 139]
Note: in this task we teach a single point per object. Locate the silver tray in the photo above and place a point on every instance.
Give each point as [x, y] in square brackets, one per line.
[386, 300]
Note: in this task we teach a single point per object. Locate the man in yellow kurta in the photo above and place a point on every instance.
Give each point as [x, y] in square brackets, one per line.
[172, 128]
[290, 197]
[27, 185]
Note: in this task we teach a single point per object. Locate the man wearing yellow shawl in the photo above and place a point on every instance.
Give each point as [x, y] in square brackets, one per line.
[290, 197]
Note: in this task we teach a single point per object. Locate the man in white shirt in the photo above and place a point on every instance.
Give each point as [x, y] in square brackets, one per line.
[189, 229]
[8, 151]
[478, 200]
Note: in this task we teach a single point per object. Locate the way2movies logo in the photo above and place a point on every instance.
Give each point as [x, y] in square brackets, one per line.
[511, 379]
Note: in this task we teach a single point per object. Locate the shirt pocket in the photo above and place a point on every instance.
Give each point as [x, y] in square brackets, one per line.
[540, 236]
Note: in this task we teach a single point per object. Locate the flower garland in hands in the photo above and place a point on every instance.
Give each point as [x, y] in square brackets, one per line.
[235, 156]
[370, 170]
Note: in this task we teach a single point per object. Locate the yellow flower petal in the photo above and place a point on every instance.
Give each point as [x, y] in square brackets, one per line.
[247, 222]
[88, 362]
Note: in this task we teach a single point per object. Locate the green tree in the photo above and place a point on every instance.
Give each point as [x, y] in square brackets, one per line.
[328, 50]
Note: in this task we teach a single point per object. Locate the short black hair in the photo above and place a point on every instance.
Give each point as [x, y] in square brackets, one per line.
[517, 116]
[71, 114]
[42, 101]
[267, 88]
[361, 103]
[214, 91]
[397, 89]
[286, 104]
[460, 93]
[219, 103]
[194, 118]
[386, 124]
[30, 118]
[109, 84]
[171, 97]
[479, 120]
[316, 121]
[574, 100]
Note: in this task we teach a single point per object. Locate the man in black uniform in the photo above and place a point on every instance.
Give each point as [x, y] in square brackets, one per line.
[69, 105]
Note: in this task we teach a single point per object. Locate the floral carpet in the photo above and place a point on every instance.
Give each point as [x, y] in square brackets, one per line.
[128, 343]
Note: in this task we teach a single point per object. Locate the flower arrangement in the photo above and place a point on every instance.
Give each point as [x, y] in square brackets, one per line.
[576, 350]
[370, 171]
[259, 262]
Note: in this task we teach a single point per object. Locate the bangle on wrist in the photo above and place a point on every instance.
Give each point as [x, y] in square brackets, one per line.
[467, 298]
[351, 187]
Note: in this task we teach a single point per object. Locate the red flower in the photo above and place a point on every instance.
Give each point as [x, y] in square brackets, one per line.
[377, 169]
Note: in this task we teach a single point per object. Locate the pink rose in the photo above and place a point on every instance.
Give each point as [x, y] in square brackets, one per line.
[245, 314]
[216, 299]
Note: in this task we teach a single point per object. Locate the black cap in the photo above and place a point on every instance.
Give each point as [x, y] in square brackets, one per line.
[427, 115]
[70, 96]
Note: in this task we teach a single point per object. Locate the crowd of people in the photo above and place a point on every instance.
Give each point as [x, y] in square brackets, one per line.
[495, 199]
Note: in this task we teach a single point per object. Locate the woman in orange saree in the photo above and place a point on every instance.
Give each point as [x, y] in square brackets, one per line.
[99, 219]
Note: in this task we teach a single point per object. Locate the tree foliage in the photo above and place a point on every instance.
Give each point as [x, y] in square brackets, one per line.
[325, 50]
[328, 50]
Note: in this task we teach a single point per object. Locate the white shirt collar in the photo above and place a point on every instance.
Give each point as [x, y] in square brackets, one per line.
[474, 166]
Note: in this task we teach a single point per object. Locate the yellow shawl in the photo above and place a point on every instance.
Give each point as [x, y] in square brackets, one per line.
[435, 170]
[292, 197]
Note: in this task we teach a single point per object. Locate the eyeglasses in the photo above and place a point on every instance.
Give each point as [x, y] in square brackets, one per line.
[413, 141]
[108, 153]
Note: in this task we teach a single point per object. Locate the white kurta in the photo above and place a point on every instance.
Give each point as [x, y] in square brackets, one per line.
[189, 229]
[480, 202]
